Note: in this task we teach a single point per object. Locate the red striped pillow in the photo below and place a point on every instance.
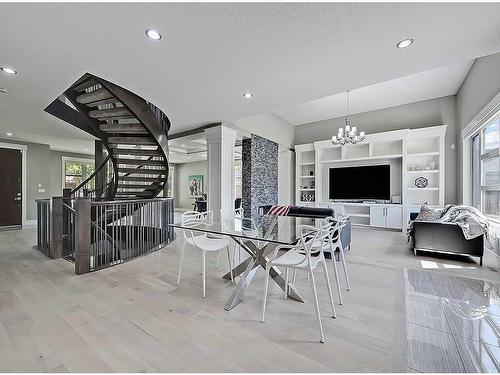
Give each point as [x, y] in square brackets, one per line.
[278, 210]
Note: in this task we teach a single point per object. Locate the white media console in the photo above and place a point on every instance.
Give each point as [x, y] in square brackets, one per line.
[411, 153]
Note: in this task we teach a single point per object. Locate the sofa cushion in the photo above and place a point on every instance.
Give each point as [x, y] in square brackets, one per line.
[311, 212]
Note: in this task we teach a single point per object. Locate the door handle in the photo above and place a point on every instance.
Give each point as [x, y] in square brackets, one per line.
[17, 198]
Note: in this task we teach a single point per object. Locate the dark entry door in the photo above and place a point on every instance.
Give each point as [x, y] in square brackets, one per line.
[10, 187]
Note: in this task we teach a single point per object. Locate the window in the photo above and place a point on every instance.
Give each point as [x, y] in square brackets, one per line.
[486, 168]
[75, 171]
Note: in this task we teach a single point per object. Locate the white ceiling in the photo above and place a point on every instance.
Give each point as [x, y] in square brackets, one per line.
[285, 53]
[192, 148]
[188, 149]
[430, 84]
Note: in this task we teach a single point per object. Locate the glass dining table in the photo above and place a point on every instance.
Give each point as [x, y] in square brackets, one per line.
[258, 237]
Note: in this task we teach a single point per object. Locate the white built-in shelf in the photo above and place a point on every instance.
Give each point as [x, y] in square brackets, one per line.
[306, 176]
[425, 188]
[358, 215]
[307, 189]
[306, 202]
[393, 156]
[436, 153]
[425, 171]
[307, 163]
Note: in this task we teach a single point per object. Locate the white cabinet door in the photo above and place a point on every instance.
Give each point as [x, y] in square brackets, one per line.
[377, 216]
[393, 217]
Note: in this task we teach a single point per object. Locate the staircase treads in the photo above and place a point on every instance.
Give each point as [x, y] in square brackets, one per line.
[102, 102]
[123, 128]
[137, 190]
[140, 178]
[140, 162]
[132, 140]
[135, 151]
[137, 193]
[94, 96]
[141, 171]
[138, 186]
[85, 85]
[119, 112]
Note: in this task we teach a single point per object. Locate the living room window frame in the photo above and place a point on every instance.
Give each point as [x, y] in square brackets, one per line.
[66, 159]
[476, 128]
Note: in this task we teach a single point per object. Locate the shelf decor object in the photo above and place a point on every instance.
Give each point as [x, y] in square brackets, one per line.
[421, 182]
[348, 134]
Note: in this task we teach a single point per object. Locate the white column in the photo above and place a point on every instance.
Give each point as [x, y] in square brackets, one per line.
[220, 156]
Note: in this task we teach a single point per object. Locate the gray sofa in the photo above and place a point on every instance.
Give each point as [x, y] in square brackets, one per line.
[445, 238]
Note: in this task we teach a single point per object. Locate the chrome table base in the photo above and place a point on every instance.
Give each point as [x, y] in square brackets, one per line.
[248, 268]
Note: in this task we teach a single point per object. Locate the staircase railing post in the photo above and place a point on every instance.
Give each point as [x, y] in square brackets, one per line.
[56, 227]
[82, 236]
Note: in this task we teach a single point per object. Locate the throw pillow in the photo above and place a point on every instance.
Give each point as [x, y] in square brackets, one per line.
[429, 214]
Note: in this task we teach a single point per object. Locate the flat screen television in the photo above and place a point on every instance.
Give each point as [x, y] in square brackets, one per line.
[364, 182]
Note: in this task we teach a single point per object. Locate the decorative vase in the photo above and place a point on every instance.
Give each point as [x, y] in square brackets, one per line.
[421, 182]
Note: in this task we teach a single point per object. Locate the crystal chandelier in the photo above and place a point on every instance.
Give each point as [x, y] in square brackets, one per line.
[348, 134]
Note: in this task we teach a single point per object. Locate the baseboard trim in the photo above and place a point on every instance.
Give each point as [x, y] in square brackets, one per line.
[29, 224]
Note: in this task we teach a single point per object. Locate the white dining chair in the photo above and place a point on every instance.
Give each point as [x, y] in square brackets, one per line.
[236, 214]
[307, 255]
[201, 241]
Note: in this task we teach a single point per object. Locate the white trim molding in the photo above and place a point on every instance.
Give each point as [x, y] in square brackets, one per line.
[24, 152]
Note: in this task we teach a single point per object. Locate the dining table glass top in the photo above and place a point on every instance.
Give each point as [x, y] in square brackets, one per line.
[277, 229]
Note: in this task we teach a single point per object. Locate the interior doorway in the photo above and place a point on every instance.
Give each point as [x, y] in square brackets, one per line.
[11, 187]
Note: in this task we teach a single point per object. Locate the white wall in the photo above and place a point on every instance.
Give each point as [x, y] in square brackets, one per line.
[185, 170]
[286, 176]
[269, 126]
[480, 86]
[440, 111]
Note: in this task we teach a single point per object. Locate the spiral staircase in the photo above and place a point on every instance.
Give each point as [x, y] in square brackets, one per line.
[133, 132]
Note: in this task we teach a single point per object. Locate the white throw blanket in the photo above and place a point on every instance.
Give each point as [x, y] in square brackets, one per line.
[473, 223]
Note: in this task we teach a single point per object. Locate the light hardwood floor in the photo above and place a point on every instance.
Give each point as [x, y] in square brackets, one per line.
[133, 318]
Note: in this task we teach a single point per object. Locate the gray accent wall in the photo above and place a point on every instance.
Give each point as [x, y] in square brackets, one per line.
[440, 111]
[480, 86]
[56, 170]
[43, 167]
[259, 174]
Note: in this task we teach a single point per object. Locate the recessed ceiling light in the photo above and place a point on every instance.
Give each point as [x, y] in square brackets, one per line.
[153, 34]
[8, 70]
[183, 145]
[404, 43]
[8, 134]
[85, 149]
[248, 95]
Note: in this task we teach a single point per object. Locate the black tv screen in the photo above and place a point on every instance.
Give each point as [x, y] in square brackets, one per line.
[367, 182]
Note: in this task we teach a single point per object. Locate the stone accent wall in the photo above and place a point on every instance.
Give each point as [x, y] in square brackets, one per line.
[259, 174]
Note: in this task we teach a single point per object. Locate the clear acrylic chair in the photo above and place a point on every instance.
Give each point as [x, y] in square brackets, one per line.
[335, 243]
[201, 241]
[307, 255]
